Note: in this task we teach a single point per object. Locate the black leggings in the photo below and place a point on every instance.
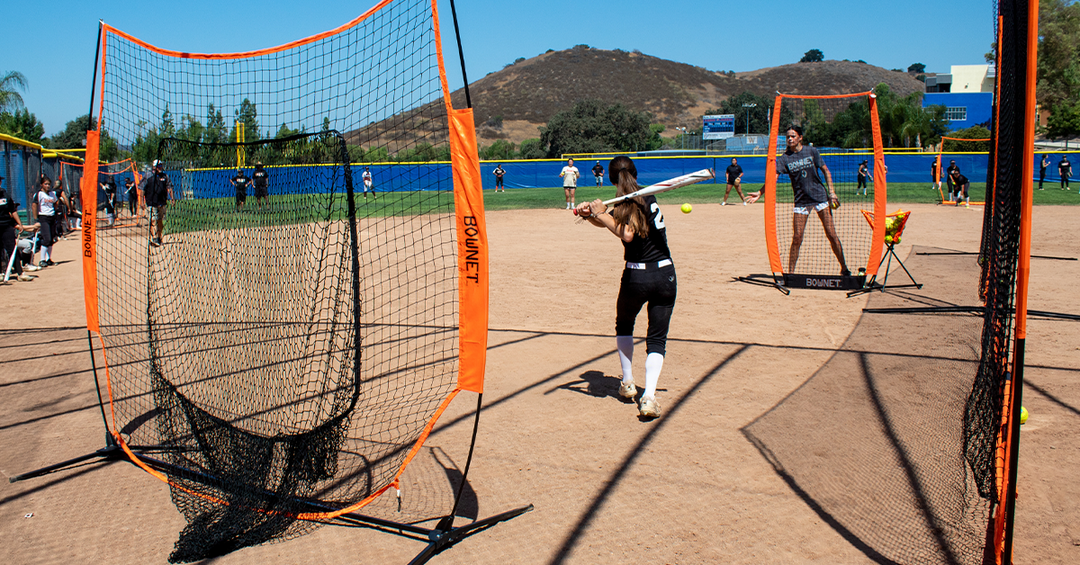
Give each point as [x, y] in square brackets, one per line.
[49, 232]
[658, 287]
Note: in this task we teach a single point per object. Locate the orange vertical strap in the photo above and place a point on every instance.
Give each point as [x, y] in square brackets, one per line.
[471, 234]
[770, 193]
[881, 192]
[472, 251]
[1023, 270]
[88, 186]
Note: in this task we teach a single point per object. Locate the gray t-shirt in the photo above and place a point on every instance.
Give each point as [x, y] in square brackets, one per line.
[802, 167]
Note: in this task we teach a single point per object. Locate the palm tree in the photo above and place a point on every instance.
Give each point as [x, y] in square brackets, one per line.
[9, 98]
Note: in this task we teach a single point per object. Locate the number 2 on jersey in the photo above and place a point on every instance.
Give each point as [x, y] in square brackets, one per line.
[658, 221]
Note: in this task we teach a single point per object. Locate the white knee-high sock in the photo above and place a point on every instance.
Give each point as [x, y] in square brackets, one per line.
[625, 344]
[46, 253]
[654, 363]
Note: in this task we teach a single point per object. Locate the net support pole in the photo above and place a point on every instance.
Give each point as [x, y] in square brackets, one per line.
[461, 54]
[1023, 270]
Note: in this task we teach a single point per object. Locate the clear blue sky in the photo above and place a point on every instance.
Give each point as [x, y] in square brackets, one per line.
[52, 43]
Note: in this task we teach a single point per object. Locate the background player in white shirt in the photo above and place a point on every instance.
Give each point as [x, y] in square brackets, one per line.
[569, 176]
[368, 185]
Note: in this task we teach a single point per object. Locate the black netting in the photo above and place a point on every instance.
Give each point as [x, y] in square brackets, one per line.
[284, 347]
[873, 442]
[1000, 250]
[822, 120]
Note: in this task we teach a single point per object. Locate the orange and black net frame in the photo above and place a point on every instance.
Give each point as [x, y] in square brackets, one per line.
[943, 175]
[779, 277]
[1010, 440]
[473, 304]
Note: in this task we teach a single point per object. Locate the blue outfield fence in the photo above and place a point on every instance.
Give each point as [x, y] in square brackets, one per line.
[544, 173]
[909, 168]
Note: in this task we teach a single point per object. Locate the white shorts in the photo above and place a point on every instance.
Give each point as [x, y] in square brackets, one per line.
[806, 211]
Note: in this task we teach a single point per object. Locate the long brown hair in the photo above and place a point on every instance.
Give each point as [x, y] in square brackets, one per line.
[630, 213]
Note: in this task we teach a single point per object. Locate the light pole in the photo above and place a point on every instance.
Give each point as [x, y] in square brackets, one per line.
[682, 138]
[748, 106]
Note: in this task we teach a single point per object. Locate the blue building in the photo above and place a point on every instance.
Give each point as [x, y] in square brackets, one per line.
[967, 92]
[963, 109]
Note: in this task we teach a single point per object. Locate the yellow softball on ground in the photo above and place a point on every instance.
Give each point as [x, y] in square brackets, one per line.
[687, 208]
[1023, 415]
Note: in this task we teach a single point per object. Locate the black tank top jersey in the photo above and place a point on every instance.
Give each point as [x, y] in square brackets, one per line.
[654, 247]
[260, 178]
[241, 182]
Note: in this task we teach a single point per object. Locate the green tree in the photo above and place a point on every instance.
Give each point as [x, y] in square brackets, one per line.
[247, 115]
[1059, 52]
[500, 150]
[758, 115]
[1058, 88]
[531, 149]
[376, 155]
[916, 68]
[10, 99]
[1064, 122]
[813, 56]
[167, 127]
[974, 132]
[591, 126]
[24, 125]
[215, 131]
[284, 131]
[73, 136]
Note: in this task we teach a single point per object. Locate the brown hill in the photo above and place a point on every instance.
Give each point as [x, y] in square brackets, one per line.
[526, 94]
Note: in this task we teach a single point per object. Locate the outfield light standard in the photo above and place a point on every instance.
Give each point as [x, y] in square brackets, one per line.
[682, 138]
[748, 106]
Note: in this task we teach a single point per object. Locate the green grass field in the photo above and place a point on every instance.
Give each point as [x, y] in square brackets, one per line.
[899, 193]
[215, 213]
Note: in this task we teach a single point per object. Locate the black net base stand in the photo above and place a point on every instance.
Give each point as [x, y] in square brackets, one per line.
[775, 281]
[824, 282]
[784, 282]
[890, 254]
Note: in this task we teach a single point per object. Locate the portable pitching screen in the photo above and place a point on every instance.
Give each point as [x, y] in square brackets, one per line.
[829, 123]
[992, 413]
[280, 366]
[956, 144]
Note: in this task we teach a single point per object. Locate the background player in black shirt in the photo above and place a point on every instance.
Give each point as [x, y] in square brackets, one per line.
[734, 180]
[598, 172]
[949, 179]
[499, 174]
[862, 175]
[240, 181]
[1043, 164]
[960, 182]
[157, 191]
[261, 180]
[1065, 170]
[649, 277]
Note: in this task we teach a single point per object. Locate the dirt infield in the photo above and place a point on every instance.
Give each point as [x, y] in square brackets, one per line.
[689, 487]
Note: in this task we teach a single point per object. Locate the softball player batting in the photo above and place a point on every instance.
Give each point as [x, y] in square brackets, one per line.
[649, 277]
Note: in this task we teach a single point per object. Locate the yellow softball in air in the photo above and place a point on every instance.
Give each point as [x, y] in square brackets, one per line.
[687, 208]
